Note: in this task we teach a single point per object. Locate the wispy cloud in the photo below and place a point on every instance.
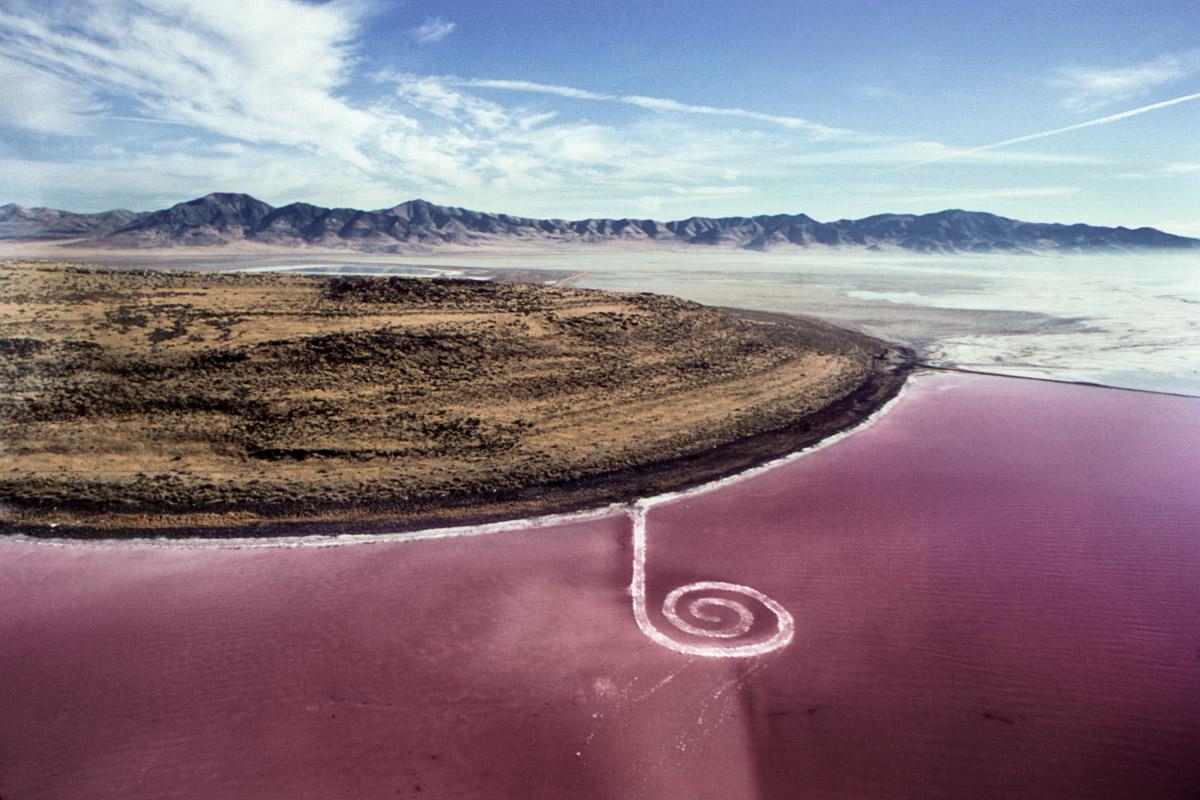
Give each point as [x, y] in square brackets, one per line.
[906, 153]
[984, 195]
[1133, 112]
[200, 64]
[41, 101]
[1090, 88]
[1182, 168]
[1175, 169]
[433, 29]
[714, 191]
[659, 104]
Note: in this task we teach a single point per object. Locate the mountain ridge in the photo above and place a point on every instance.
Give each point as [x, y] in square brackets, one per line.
[17, 222]
[226, 217]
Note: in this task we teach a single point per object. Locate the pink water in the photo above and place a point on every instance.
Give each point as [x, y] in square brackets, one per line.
[996, 591]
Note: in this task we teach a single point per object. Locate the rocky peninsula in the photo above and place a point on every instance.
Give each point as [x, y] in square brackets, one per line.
[174, 403]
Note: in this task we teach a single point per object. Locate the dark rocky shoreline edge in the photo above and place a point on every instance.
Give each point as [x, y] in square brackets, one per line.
[892, 364]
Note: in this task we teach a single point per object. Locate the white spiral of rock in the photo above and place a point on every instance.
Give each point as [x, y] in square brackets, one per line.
[721, 618]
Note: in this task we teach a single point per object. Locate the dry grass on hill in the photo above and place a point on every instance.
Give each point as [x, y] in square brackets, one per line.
[160, 398]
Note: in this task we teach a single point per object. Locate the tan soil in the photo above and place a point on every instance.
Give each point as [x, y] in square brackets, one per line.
[178, 401]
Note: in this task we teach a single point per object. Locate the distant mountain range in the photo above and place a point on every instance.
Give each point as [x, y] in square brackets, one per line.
[224, 218]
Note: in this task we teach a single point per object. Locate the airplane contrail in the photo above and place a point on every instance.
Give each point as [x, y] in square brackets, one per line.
[1032, 136]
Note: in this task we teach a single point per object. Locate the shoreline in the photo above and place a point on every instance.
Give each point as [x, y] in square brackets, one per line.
[892, 364]
[461, 529]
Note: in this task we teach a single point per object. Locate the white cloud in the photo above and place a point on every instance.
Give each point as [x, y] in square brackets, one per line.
[714, 191]
[433, 29]
[1182, 168]
[976, 195]
[1172, 170]
[904, 153]
[1090, 88]
[436, 98]
[581, 143]
[659, 104]
[221, 65]
[41, 101]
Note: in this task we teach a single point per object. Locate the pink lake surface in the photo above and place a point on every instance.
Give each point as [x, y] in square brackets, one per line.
[996, 591]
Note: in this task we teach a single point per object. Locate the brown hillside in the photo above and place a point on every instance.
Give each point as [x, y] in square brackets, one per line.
[162, 399]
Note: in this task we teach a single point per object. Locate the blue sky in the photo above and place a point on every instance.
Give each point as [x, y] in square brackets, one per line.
[1056, 111]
